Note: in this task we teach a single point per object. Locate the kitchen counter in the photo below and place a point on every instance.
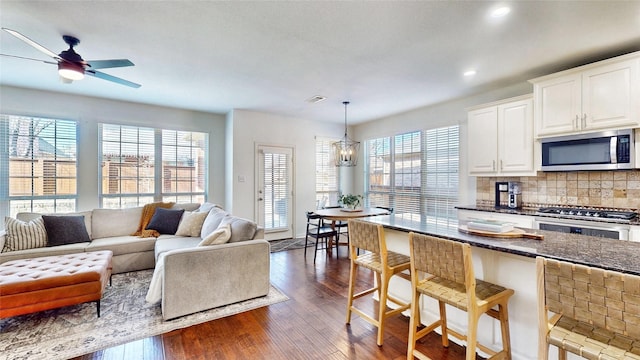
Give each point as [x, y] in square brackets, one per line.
[618, 255]
[511, 263]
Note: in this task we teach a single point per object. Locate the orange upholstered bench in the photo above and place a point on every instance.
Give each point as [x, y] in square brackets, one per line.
[31, 285]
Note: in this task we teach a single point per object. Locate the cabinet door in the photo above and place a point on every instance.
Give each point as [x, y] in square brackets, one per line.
[558, 103]
[515, 135]
[610, 96]
[483, 141]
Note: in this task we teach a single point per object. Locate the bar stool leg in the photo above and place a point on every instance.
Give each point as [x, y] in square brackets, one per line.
[414, 322]
[472, 334]
[443, 323]
[383, 287]
[352, 281]
[504, 327]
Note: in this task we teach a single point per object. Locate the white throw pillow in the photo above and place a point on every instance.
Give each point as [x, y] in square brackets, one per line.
[212, 222]
[220, 236]
[191, 223]
[22, 235]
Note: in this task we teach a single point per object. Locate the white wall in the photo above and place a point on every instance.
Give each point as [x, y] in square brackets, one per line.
[252, 128]
[89, 111]
[440, 115]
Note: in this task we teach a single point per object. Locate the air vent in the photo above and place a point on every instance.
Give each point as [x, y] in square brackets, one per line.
[316, 99]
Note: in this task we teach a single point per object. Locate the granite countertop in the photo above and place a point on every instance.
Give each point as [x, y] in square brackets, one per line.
[533, 212]
[610, 254]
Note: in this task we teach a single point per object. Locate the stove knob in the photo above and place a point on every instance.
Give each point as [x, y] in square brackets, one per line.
[596, 214]
[571, 212]
[587, 214]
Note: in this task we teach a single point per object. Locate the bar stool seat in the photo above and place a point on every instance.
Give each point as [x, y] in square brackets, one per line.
[447, 270]
[595, 312]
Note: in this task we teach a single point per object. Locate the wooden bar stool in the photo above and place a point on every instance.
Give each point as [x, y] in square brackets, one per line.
[596, 311]
[385, 264]
[450, 280]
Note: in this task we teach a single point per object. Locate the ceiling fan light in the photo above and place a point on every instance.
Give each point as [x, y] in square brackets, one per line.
[70, 71]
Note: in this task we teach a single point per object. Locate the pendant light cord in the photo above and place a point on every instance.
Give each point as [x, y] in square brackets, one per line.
[345, 118]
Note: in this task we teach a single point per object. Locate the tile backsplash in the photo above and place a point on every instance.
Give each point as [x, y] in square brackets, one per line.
[608, 189]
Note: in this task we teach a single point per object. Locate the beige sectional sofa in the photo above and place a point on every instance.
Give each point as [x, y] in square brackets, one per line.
[196, 278]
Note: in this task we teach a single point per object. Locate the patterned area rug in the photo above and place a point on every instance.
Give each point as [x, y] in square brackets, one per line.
[289, 244]
[125, 316]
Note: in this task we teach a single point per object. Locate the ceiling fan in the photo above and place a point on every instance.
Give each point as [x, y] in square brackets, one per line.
[71, 66]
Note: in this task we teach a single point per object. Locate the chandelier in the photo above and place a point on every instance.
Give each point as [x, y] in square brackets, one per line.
[345, 151]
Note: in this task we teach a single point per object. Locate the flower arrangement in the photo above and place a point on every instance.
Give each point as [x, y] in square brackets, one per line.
[350, 201]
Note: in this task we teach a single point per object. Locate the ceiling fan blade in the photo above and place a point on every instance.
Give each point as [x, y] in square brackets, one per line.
[33, 44]
[26, 58]
[103, 64]
[108, 77]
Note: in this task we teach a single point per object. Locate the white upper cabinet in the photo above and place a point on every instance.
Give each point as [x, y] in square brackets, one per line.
[501, 138]
[594, 97]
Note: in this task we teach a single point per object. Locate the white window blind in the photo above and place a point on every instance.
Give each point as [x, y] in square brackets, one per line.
[38, 167]
[140, 165]
[276, 190]
[184, 166]
[378, 177]
[440, 177]
[327, 175]
[415, 173]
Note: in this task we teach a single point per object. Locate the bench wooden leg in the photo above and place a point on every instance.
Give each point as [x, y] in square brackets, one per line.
[98, 306]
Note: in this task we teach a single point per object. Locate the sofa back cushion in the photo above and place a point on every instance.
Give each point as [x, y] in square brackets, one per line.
[115, 222]
[212, 221]
[186, 206]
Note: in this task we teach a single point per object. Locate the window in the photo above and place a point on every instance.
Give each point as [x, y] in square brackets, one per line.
[38, 167]
[415, 173]
[327, 175]
[141, 165]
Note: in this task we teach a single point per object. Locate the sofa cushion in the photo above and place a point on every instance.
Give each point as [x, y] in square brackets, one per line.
[122, 244]
[115, 222]
[167, 243]
[207, 206]
[165, 221]
[220, 236]
[43, 251]
[22, 235]
[28, 216]
[241, 229]
[191, 223]
[213, 220]
[186, 206]
[62, 230]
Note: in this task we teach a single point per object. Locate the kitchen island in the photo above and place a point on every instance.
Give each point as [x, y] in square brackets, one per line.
[510, 263]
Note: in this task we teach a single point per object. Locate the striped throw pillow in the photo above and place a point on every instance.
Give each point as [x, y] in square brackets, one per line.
[22, 235]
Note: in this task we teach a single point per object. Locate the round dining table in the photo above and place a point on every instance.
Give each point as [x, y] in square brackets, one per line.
[341, 214]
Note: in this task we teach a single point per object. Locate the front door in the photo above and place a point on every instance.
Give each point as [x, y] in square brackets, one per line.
[275, 191]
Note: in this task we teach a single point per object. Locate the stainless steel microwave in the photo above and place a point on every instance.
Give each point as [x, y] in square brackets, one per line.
[606, 150]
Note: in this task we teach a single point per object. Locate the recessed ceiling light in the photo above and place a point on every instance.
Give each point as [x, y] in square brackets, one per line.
[469, 73]
[500, 11]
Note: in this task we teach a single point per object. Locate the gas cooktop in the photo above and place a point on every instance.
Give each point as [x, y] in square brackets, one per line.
[569, 212]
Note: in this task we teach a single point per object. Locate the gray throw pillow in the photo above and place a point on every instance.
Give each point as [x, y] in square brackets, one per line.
[62, 230]
[165, 221]
[241, 229]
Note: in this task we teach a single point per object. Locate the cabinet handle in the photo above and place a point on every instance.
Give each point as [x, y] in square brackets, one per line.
[575, 123]
[501, 166]
[584, 121]
[493, 165]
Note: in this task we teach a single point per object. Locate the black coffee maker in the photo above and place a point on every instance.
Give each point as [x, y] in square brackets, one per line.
[502, 193]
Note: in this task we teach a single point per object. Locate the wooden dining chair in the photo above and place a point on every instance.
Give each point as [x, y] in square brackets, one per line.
[448, 277]
[341, 226]
[385, 264]
[321, 232]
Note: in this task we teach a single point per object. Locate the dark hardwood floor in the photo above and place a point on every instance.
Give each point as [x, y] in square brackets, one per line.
[311, 325]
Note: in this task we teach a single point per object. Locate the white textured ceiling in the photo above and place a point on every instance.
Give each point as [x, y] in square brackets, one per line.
[385, 57]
